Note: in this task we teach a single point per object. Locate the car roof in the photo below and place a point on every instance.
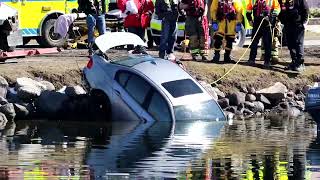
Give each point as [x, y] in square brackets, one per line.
[161, 71]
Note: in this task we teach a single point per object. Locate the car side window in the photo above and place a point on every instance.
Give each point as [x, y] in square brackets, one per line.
[158, 108]
[122, 78]
[137, 88]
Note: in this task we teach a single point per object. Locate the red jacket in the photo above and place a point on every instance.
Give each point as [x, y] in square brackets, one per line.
[142, 19]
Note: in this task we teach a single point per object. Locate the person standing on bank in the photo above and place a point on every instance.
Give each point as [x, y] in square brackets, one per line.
[137, 22]
[265, 12]
[294, 17]
[196, 27]
[167, 11]
[226, 18]
[95, 11]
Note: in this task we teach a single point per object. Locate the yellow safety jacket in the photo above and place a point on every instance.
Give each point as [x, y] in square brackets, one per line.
[237, 5]
[273, 5]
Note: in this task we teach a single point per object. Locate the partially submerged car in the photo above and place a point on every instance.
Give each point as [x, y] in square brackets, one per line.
[142, 87]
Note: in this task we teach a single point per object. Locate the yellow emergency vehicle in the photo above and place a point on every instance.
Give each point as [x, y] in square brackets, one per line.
[37, 18]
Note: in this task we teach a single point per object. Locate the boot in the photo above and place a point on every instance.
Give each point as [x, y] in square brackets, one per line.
[216, 57]
[204, 58]
[227, 58]
[194, 56]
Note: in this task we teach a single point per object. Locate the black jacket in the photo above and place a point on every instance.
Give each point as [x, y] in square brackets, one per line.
[168, 11]
[296, 15]
[93, 7]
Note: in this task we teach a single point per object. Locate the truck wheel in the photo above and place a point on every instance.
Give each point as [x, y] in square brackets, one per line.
[26, 40]
[49, 38]
[240, 37]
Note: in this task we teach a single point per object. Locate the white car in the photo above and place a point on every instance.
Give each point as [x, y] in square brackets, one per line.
[141, 87]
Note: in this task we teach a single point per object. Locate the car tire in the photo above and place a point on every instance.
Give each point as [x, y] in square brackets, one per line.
[240, 37]
[101, 107]
[48, 37]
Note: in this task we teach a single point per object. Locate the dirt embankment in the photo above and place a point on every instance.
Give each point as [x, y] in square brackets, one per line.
[64, 69]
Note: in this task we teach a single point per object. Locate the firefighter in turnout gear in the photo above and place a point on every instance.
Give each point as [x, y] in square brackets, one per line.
[265, 12]
[294, 16]
[226, 22]
[196, 27]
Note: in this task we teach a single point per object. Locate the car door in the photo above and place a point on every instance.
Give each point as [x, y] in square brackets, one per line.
[156, 108]
[130, 91]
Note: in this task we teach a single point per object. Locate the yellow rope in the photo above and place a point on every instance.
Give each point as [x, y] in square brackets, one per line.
[215, 82]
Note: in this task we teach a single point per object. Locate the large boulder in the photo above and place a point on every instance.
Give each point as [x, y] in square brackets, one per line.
[237, 98]
[251, 97]
[275, 93]
[3, 101]
[224, 103]
[51, 102]
[48, 85]
[28, 93]
[220, 94]
[263, 99]
[8, 110]
[23, 110]
[3, 87]
[24, 81]
[3, 121]
[74, 91]
[258, 106]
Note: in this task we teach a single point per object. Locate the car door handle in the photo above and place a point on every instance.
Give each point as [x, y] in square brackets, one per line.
[117, 92]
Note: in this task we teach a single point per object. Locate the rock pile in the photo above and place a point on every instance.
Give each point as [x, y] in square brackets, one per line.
[29, 98]
[251, 102]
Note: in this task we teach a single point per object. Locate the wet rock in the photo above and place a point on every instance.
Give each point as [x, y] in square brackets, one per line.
[229, 115]
[74, 91]
[258, 114]
[22, 110]
[3, 87]
[258, 106]
[224, 103]
[290, 94]
[299, 97]
[243, 89]
[283, 105]
[3, 121]
[220, 94]
[208, 88]
[8, 110]
[236, 98]
[294, 112]
[231, 109]
[263, 99]
[241, 106]
[51, 102]
[251, 90]
[251, 97]
[28, 82]
[12, 96]
[249, 105]
[3, 101]
[305, 89]
[275, 93]
[300, 105]
[247, 112]
[28, 93]
[48, 85]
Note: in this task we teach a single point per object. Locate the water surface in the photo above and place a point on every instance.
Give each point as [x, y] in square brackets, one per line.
[261, 148]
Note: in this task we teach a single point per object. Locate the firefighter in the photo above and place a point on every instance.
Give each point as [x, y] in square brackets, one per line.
[196, 27]
[265, 13]
[226, 21]
[275, 44]
[294, 16]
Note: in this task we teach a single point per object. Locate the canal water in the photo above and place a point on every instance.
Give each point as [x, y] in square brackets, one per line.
[276, 147]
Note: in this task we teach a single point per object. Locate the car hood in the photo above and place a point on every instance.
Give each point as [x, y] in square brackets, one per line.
[113, 39]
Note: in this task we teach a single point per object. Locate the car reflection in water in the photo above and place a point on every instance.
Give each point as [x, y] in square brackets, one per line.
[96, 151]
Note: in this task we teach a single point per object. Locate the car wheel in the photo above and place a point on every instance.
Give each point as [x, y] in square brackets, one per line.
[240, 37]
[49, 38]
[101, 108]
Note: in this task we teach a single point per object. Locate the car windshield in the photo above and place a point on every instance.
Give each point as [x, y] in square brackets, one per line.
[132, 60]
[182, 87]
[207, 110]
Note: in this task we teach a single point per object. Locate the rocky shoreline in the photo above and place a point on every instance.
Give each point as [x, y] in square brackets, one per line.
[36, 98]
